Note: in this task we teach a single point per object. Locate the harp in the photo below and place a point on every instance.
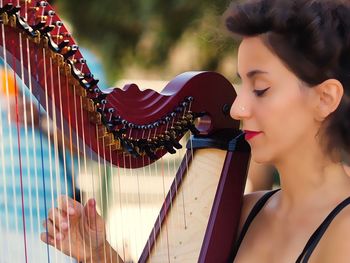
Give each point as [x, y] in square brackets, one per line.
[112, 141]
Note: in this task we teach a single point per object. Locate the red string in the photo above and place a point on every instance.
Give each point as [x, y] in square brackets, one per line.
[19, 152]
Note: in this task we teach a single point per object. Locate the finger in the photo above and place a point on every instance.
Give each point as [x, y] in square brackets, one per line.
[52, 231]
[58, 217]
[46, 238]
[71, 207]
[94, 220]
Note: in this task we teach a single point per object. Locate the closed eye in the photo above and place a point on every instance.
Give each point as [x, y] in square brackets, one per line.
[260, 92]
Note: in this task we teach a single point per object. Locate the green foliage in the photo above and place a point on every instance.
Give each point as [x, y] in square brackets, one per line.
[144, 33]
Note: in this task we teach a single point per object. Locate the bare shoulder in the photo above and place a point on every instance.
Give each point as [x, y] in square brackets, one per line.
[249, 200]
[335, 244]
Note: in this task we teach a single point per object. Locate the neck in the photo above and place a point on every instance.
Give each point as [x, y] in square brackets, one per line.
[305, 177]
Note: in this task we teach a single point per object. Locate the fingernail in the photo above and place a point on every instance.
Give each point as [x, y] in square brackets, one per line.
[71, 211]
[59, 236]
[64, 226]
[92, 202]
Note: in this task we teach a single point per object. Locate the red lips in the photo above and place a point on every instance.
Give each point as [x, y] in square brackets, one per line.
[248, 135]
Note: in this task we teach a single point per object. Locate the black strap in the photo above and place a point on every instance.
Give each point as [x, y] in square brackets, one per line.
[256, 209]
[317, 235]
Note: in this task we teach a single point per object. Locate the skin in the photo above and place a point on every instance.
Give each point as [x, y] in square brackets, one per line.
[78, 231]
[289, 116]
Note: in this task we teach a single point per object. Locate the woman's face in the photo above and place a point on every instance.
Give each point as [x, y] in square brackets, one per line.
[275, 108]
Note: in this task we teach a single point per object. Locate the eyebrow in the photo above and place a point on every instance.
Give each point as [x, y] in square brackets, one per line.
[252, 73]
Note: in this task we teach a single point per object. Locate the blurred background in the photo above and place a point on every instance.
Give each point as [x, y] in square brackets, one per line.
[151, 39]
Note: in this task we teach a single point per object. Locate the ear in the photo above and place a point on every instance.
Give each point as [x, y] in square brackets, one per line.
[329, 93]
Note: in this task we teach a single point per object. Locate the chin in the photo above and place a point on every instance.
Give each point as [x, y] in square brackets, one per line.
[261, 157]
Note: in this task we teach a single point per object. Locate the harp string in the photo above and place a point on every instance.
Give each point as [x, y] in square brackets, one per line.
[148, 200]
[20, 156]
[122, 210]
[4, 177]
[32, 130]
[59, 152]
[78, 157]
[126, 197]
[155, 173]
[48, 128]
[135, 202]
[92, 186]
[43, 175]
[27, 100]
[38, 100]
[25, 123]
[113, 195]
[107, 192]
[72, 152]
[52, 133]
[100, 177]
[10, 130]
[64, 146]
[164, 196]
[85, 157]
[26, 136]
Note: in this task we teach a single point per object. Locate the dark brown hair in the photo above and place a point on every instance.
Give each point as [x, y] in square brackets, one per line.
[312, 38]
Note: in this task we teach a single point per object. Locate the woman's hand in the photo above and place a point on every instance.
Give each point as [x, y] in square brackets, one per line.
[78, 231]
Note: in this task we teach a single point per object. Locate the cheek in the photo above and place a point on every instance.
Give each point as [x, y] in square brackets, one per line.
[286, 112]
[284, 123]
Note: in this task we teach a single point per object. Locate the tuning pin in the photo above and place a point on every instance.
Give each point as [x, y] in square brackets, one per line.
[71, 51]
[51, 13]
[58, 23]
[111, 110]
[42, 4]
[189, 99]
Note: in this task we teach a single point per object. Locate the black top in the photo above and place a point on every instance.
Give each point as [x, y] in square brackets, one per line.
[312, 242]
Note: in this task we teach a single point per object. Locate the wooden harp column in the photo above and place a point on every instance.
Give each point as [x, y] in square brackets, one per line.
[128, 127]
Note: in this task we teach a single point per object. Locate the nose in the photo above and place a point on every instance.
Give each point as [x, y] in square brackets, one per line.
[240, 109]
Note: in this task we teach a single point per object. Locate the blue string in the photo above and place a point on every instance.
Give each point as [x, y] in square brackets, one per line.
[43, 177]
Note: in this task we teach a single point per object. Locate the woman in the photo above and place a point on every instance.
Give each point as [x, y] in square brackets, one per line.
[294, 103]
[294, 63]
